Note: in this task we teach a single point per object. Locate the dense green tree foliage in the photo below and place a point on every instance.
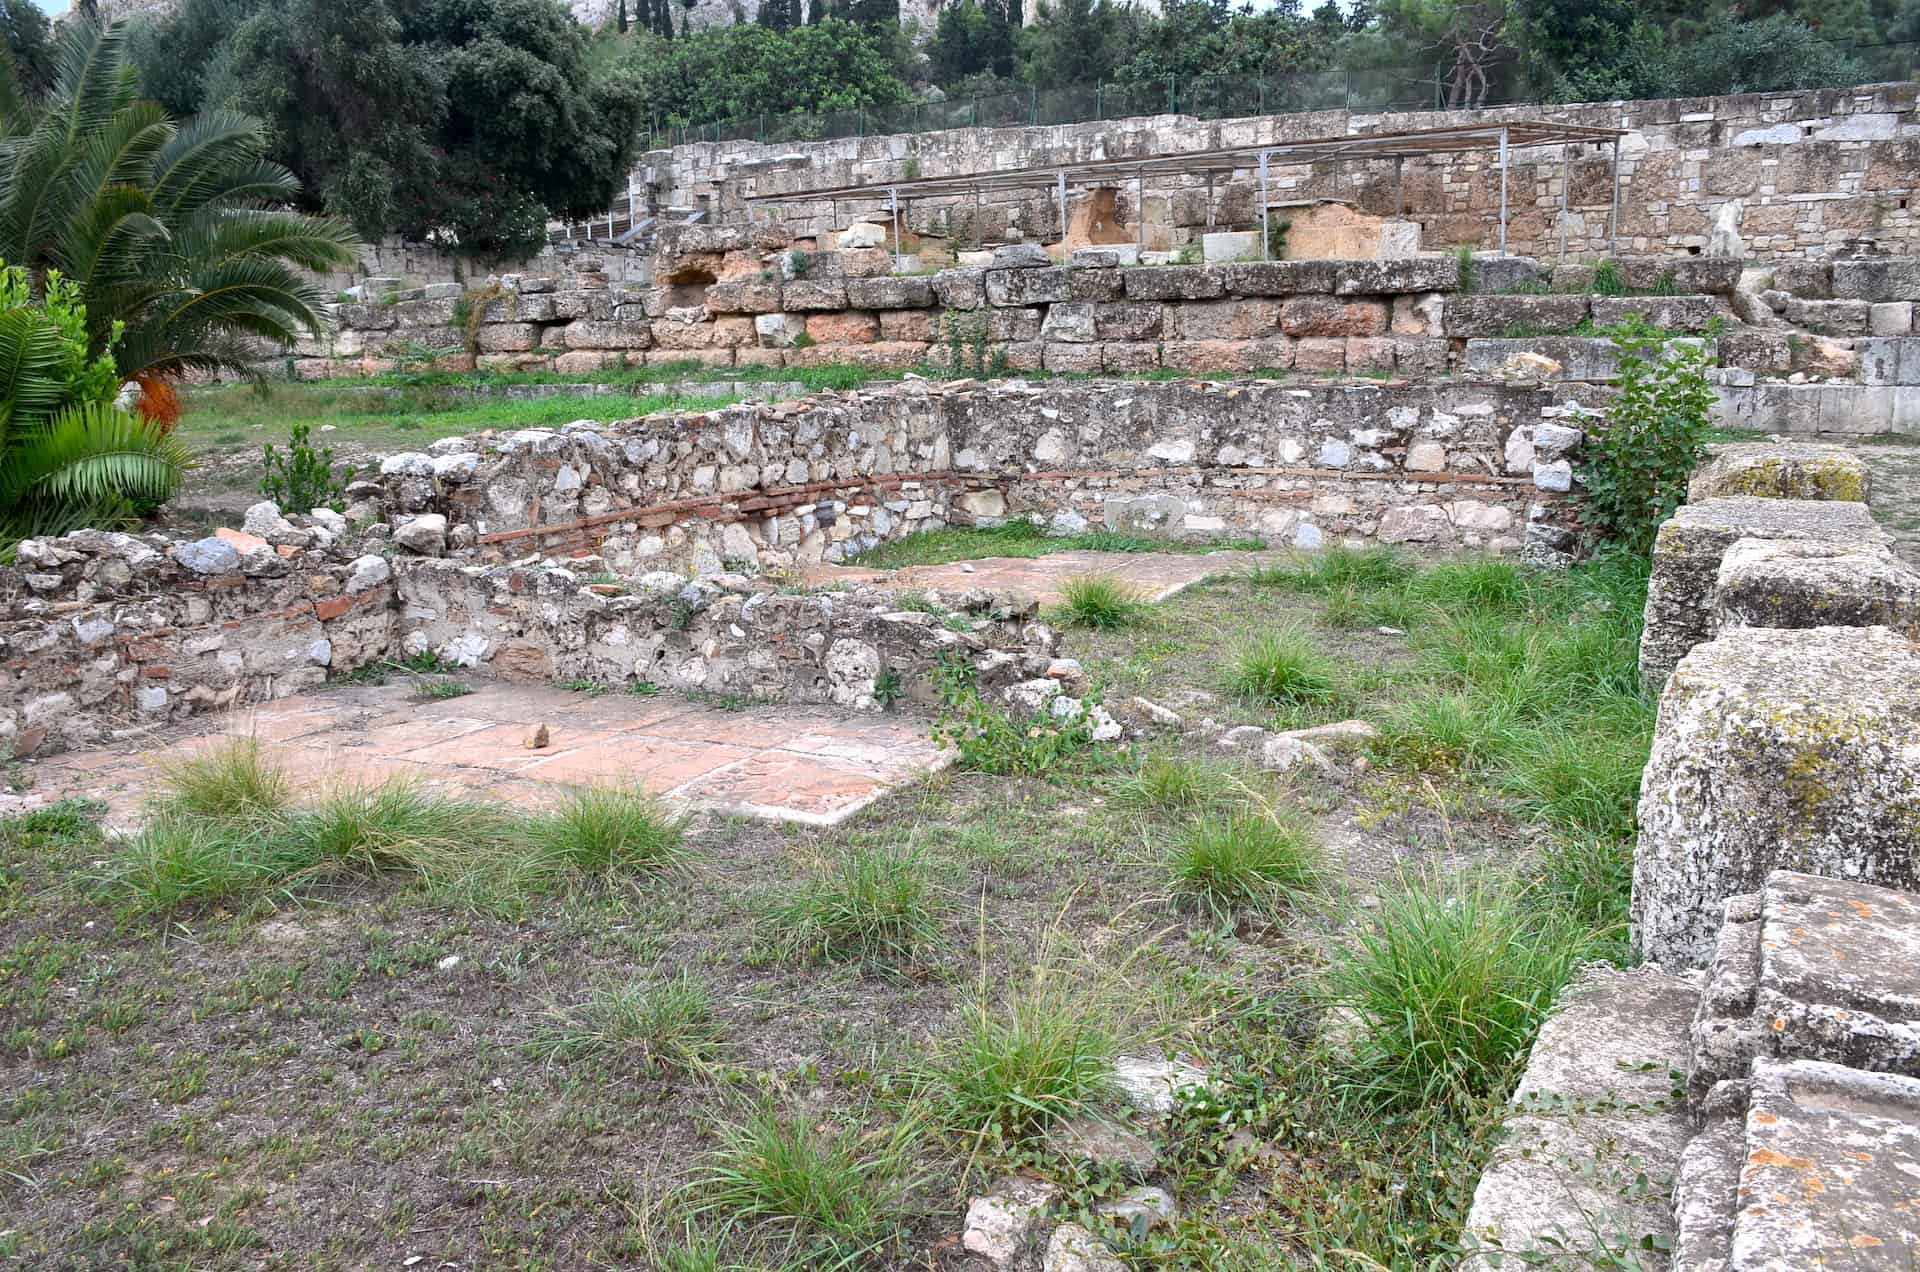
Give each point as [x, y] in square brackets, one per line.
[743, 71]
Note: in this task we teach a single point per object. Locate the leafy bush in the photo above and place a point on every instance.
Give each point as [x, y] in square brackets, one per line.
[303, 478]
[992, 741]
[1636, 467]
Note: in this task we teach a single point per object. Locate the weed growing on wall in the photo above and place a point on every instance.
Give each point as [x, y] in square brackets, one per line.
[302, 478]
[1636, 466]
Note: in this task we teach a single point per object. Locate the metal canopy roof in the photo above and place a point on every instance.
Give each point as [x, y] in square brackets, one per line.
[1380, 145]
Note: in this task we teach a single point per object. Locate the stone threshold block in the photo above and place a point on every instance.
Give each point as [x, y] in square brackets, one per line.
[1768, 583]
[1688, 550]
[1782, 470]
[1811, 968]
[1599, 1120]
[1795, 750]
[1817, 1172]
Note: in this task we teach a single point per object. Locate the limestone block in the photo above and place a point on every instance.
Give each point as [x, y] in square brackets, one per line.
[1885, 278]
[1763, 583]
[1229, 320]
[1423, 315]
[917, 325]
[1175, 282]
[1281, 278]
[1687, 553]
[1230, 245]
[610, 334]
[1071, 323]
[1509, 274]
[1499, 315]
[1129, 321]
[1795, 750]
[1071, 358]
[1326, 316]
[845, 327]
[509, 337]
[779, 331]
[1320, 353]
[889, 293]
[1595, 1116]
[1101, 285]
[745, 296]
[1891, 318]
[1673, 313]
[1384, 278]
[1021, 256]
[1009, 287]
[1830, 317]
[960, 288]
[1124, 358]
[807, 294]
[1781, 470]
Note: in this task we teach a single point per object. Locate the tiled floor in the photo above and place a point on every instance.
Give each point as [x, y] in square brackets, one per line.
[801, 764]
[1157, 575]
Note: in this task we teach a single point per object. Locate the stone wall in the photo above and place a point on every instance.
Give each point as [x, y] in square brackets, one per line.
[760, 488]
[1817, 174]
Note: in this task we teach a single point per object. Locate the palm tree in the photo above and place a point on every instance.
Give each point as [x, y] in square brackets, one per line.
[178, 235]
[69, 457]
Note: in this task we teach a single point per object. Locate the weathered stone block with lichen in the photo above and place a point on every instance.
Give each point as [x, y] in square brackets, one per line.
[1687, 553]
[1766, 583]
[1796, 750]
[1782, 470]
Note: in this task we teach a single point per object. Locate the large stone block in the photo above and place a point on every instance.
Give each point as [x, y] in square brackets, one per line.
[1514, 316]
[754, 295]
[1687, 553]
[1594, 1118]
[961, 288]
[1281, 278]
[1175, 282]
[611, 334]
[1691, 314]
[889, 293]
[808, 294]
[1129, 321]
[1013, 287]
[1878, 279]
[1765, 583]
[1796, 750]
[1781, 470]
[1392, 278]
[1327, 316]
[1229, 320]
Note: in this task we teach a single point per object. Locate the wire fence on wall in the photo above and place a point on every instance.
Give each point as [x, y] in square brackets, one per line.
[1367, 91]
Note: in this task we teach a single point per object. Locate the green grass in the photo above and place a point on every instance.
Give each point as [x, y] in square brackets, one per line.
[442, 689]
[839, 1196]
[1016, 1063]
[1451, 984]
[875, 904]
[402, 419]
[1103, 602]
[1171, 784]
[669, 1026]
[1244, 861]
[602, 830]
[1024, 539]
[177, 862]
[1284, 668]
[231, 780]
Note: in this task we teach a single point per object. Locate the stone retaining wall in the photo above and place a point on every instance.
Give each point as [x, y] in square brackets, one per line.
[770, 488]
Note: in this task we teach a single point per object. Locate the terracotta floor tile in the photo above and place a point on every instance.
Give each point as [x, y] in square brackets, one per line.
[784, 786]
[652, 764]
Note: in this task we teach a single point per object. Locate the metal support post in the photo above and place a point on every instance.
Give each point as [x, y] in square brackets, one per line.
[1139, 214]
[1503, 192]
[1060, 182]
[1613, 217]
[1566, 180]
[1209, 200]
[893, 197]
[1266, 209]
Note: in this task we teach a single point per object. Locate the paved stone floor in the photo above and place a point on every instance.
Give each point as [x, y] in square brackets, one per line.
[801, 764]
[1157, 575]
[1895, 464]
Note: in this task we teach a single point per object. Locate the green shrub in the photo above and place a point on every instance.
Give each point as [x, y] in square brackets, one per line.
[845, 1191]
[1244, 860]
[303, 478]
[1102, 602]
[990, 740]
[1443, 732]
[1637, 464]
[1452, 986]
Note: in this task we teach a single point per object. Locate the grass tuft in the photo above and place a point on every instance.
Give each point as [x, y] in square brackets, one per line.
[231, 781]
[1452, 985]
[665, 1027]
[871, 904]
[1102, 602]
[1171, 784]
[1245, 861]
[177, 862]
[1015, 1065]
[1285, 668]
[603, 830]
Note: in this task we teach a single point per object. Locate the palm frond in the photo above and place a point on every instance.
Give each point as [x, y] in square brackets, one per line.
[213, 157]
[93, 455]
[31, 361]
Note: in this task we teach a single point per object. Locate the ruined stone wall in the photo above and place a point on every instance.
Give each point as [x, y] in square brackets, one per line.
[109, 635]
[760, 488]
[1819, 174]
